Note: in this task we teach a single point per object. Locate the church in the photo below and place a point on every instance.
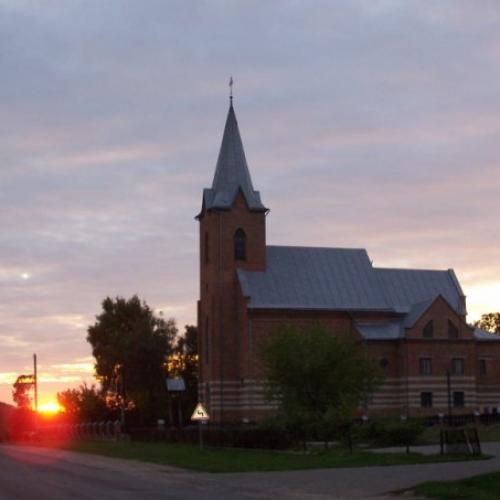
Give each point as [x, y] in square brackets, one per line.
[411, 321]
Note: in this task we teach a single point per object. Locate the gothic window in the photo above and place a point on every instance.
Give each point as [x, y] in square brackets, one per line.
[383, 363]
[240, 245]
[428, 331]
[452, 330]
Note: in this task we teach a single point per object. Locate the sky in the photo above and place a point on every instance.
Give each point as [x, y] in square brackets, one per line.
[369, 124]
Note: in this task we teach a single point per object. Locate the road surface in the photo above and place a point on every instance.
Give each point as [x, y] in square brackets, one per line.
[28, 473]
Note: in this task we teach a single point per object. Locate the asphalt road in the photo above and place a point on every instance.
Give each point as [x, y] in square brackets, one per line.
[28, 473]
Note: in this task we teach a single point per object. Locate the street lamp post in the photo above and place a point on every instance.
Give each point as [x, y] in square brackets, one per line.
[448, 383]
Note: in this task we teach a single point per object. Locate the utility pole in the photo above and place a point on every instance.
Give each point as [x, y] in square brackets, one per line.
[35, 380]
[35, 386]
[448, 383]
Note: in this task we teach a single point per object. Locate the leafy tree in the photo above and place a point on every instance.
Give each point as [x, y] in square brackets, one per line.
[489, 322]
[21, 394]
[85, 404]
[318, 379]
[184, 363]
[131, 345]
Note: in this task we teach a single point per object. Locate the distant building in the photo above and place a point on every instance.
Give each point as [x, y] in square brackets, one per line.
[413, 322]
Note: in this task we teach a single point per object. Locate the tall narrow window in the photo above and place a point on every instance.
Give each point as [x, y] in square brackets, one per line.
[207, 249]
[457, 366]
[426, 399]
[482, 367]
[428, 332]
[452, 330]
[425, 366]
[240, 245]
[458, 399]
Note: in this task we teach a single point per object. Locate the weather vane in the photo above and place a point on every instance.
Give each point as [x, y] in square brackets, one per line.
[231, 88]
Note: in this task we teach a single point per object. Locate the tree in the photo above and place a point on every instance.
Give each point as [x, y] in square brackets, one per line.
[489, 322]
[85, 404]
[184, 363]
[131, 345]
[318, 379]
[23, 386]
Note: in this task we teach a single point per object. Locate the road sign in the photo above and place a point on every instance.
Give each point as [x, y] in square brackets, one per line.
[176, 384]
[200, 414]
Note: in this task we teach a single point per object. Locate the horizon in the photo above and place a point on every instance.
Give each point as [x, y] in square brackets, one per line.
[386, 140]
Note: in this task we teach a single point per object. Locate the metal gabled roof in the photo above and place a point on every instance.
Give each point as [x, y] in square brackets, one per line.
[392, 330]
[314, 278]
[484, 336]
[406, 287]
[416, 311]
[231, 173]
[344, 280]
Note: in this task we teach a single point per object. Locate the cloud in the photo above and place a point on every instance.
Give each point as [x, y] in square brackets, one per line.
[367, 124]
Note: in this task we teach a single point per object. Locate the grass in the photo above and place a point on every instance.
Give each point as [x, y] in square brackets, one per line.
[486, 433]
[482, 487]
[239, 460]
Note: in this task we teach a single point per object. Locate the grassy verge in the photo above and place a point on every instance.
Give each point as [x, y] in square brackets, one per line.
[238, 460]
[483, 487]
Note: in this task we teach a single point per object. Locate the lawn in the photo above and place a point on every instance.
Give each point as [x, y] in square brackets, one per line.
[239, 460]
[483, 487]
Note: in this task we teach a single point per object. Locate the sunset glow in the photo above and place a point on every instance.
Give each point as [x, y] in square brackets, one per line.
[50, 408]
[373, 151]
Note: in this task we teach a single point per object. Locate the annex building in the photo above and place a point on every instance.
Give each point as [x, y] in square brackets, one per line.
[413, 322]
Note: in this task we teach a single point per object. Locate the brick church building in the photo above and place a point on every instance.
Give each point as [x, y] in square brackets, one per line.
[413, 322]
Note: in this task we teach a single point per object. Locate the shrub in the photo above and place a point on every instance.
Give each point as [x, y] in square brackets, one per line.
[265, 437]
[389, 432]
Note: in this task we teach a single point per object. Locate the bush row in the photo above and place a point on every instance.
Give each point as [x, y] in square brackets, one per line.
[278, 433]
[237, 437]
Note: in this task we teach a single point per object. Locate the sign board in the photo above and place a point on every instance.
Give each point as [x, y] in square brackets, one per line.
[200, 414]
[176, 384]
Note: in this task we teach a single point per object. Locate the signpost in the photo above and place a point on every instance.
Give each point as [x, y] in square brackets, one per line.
[201, 416]
[176, 387]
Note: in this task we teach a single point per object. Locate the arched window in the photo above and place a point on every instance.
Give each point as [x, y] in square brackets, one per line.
[240, 245]
[383, 363]
[428, 332]
[452, 330]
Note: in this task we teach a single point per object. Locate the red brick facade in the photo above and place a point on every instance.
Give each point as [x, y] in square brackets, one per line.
[415, 365]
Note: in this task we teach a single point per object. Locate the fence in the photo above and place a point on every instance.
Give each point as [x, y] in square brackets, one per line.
[91, 431]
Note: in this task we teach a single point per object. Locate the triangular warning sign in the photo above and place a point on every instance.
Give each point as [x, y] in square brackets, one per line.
[200, 413]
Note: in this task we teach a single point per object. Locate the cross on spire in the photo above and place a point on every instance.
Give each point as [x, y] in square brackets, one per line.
[231, 89]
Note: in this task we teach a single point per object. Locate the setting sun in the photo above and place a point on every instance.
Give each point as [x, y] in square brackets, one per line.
[50, 408]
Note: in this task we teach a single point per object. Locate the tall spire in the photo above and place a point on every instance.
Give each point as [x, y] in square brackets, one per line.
[231, 173]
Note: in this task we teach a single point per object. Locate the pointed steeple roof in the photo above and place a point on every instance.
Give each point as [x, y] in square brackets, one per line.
[231, 173]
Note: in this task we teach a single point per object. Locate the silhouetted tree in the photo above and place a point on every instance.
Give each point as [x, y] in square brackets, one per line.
[21, 393]
[184, 363]
[131, 346]
[489, 322]
[85, 404]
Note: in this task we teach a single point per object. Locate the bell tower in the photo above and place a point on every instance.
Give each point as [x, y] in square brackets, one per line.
[232, 224]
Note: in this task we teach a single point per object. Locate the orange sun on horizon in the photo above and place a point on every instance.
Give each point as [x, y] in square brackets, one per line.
[50, 408]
